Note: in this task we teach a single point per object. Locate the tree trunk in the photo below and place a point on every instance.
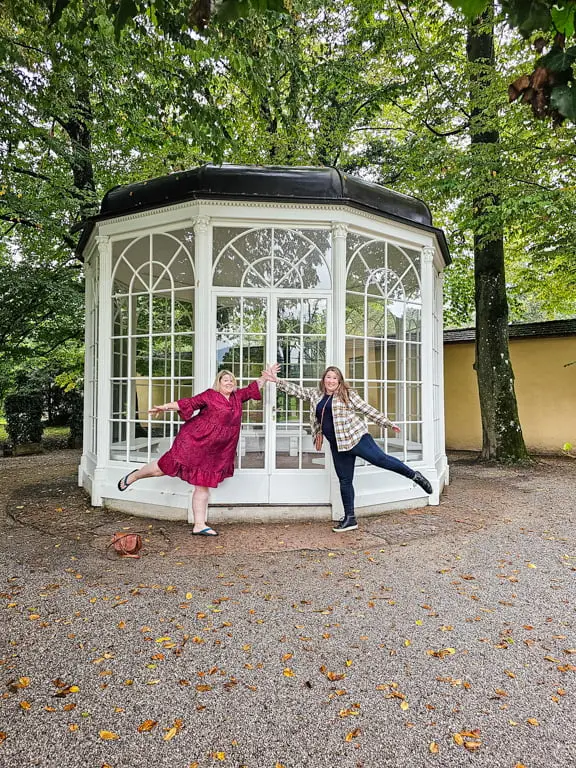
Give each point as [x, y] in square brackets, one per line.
[502, 438]
[78, 129]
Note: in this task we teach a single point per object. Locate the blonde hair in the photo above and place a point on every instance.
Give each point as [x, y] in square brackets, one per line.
[343, 390]
[220, 375]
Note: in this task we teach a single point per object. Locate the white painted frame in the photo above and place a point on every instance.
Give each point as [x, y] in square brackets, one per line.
[170, 498]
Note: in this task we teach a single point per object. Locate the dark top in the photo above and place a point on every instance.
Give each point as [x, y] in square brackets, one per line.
[327, 420]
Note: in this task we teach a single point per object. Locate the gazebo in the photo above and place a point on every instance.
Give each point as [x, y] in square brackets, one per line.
[235, 266]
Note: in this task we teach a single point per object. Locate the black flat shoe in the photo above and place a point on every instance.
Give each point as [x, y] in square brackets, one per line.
[423, 482]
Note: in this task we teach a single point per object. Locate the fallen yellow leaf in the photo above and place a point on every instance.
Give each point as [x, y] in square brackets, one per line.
[434, 748]
[442, 653]
[170, 734]
[287, 672]
[532, 721]
[404, 705]
[458, 739]
[147, 725]
[219, 755]
[73, 727]
[25, 705]
[108, 735]
[472, 745]
[352, 735]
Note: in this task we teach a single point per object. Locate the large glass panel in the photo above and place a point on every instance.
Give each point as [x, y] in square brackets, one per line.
[413, 362]
[271, 257]
[152, 339]
[383, 289]
[120, 315]
[141, 307]
[301, 340]
[162, 313]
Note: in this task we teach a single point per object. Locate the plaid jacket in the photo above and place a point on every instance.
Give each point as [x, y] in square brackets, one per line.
[348, 426]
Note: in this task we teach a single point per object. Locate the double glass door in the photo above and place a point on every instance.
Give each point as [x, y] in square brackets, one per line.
[276, 459]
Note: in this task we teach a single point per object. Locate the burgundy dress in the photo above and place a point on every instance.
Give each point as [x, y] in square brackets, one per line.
[204, 449]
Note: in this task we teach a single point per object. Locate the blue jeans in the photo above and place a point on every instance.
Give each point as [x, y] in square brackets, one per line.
[368, 450]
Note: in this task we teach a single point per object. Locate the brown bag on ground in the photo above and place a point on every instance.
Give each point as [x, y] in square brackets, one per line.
[127, 544]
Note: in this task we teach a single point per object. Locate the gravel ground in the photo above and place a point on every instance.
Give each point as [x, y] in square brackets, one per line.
[436, 637]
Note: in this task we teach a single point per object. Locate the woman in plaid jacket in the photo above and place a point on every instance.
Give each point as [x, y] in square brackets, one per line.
[334, 414]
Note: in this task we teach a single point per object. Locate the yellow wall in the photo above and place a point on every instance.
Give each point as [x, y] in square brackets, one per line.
[545, 390]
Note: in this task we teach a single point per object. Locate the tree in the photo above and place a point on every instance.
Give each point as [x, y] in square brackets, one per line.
[549, 88]
[79, 114]
[501, 431]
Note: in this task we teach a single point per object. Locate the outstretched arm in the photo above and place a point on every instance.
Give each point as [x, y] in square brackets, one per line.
[270, 371]
[157, 409]
[372, 413]
[270, 375]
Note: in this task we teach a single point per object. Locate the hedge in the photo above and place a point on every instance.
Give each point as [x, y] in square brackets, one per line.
[24, 418]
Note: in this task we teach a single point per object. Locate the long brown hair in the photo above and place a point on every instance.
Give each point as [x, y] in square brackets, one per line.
[343, 390]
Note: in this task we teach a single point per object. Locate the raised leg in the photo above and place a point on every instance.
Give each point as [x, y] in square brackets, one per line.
[368, 450]
[148, 470]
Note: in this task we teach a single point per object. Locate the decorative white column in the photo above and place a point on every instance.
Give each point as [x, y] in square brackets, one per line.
[204, 343]
[89, 363]
[441, 436]
[427, 361]
[339, 232]
[203, 348]
[104, 365]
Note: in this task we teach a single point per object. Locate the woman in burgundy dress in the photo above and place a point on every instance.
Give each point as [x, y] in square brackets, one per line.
[204, 449]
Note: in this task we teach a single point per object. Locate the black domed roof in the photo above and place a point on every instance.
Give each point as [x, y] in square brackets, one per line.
[278, 183]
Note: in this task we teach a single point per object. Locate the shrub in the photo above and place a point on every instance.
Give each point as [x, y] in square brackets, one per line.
[75, 402]
[24, 417]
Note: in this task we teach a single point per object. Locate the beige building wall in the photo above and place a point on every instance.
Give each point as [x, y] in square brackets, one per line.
[545, 390]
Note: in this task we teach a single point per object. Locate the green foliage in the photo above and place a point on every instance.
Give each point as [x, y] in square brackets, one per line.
[546, 89]
[75, 404]
[24, 417]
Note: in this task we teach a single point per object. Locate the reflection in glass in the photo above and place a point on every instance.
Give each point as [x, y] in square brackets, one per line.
[251, 447]
[161, 314]
[271, 257]
[240, 337]
[120, 315]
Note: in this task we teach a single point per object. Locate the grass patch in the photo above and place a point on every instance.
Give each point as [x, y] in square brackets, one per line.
[52, 437]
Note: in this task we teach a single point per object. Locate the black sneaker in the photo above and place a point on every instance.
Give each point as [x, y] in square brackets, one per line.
[347, 524]
[423, 482]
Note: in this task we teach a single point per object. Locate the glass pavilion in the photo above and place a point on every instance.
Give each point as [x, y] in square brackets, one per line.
[235, 266]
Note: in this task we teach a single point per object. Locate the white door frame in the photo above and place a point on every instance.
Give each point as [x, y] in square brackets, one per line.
[270, 485]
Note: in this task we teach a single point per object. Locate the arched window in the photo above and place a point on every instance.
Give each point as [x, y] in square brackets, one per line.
[271, 258]
[383, 336]
[152, 338]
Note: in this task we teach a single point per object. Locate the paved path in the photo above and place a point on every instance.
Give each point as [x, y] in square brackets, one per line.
[448, 629]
